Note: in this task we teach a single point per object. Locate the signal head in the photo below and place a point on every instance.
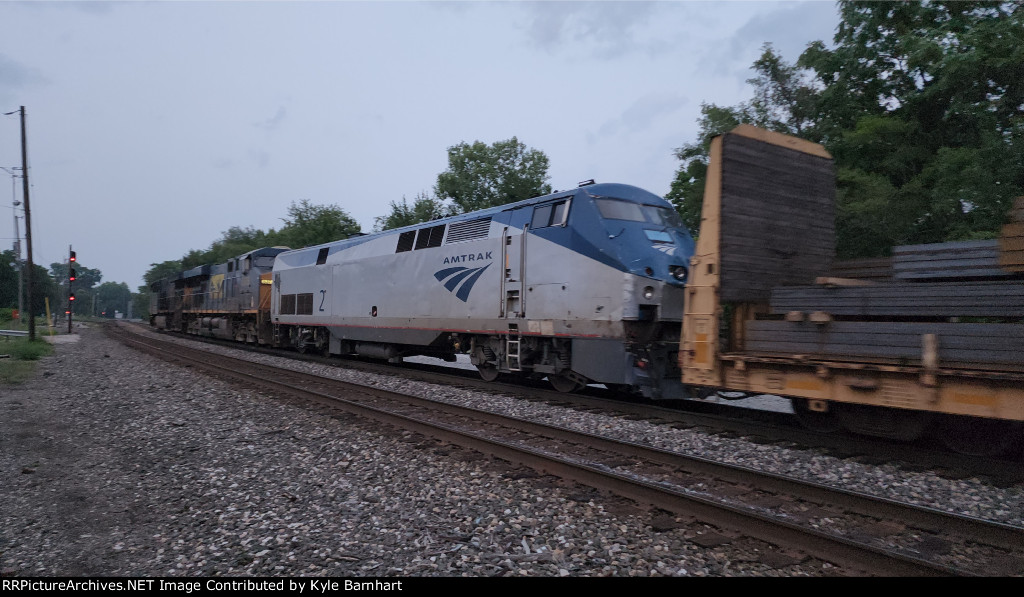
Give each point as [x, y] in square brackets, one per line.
[72, 257]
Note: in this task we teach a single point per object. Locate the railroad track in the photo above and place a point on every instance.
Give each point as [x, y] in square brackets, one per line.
[861, 533]
[761, 426]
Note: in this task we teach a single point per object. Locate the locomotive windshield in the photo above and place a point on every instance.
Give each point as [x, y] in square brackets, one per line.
[614, 209]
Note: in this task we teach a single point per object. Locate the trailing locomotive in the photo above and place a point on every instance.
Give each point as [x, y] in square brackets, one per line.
[577, 286]
[226, 300]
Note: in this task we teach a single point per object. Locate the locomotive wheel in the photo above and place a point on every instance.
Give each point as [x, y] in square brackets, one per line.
[976, 436]
[564, 384]
[822, 422]
[488, 372]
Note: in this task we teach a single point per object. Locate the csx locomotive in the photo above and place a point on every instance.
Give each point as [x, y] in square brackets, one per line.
[577, 286]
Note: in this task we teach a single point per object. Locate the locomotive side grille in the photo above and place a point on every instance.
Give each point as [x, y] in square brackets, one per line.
[470, 230]
[304, 304]
[287, 306]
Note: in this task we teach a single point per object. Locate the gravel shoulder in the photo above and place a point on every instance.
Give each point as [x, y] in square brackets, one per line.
[118, 464]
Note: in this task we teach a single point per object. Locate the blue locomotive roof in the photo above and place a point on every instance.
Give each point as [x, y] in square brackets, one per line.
[619, 191]
[508, 214]
[623, 192]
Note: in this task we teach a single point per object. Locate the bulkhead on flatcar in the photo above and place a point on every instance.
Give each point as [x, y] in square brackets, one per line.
[578, 286]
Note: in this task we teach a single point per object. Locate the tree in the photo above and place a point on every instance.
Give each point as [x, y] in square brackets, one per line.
[85, 278]
[309, 224]
[83, 287]
[306, 225]
[111, 297]
[920, 103]
[8, 280]
[784, 101]
[140, 302]
[481, 176]
[926, 100]
[159, 271]
[687, 191]
[43, 287]
[423, 209]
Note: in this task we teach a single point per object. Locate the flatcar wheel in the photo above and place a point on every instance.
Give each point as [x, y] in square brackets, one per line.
[822, 422]
[488, 372]
[564, 384]
[976, 436]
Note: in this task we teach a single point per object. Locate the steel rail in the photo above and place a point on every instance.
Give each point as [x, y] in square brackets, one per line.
[769, 426]
[827, 547]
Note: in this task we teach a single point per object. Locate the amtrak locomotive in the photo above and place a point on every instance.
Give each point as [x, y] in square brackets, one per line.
[581, 286]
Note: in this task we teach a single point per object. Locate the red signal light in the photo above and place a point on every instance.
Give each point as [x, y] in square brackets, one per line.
[71, 296]
[72, 257]
[71, 276]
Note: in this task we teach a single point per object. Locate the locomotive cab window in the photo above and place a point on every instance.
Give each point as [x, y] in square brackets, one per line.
[321, 257]
[616, 209]
[658, 236]
[550, 214]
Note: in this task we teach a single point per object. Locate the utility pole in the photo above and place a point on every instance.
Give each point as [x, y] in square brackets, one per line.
[28, 226]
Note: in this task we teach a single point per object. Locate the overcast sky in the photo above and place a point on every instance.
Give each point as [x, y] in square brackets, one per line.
[154, 127]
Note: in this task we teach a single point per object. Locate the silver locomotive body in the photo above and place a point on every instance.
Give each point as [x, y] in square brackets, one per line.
[579, 286]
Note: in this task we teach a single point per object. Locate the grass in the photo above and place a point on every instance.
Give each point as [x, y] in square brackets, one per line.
[20, 366]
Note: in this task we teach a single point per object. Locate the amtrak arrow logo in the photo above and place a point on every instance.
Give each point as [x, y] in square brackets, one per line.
[462, 277]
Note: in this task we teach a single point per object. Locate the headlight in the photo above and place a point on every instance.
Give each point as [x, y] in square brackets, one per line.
[678, 272]
[648, 292]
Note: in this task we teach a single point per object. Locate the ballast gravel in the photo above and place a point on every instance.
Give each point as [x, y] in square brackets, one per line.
[116, 463]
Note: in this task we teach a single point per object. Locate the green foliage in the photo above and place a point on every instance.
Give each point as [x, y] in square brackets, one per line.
[24, 350]
[231, 244]
[85, 278]
[141, 302]
[111, 297]
[306, 225]
[43, 286]
[687, 192]
[481, 176]
[423, 209]
[8, 280]
[6, 315]
[920, 103]
[159, 271]
[20, 367]
[84, 287]
[784, 101]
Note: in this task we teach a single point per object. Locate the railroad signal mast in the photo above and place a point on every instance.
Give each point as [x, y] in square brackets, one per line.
[72, 259]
